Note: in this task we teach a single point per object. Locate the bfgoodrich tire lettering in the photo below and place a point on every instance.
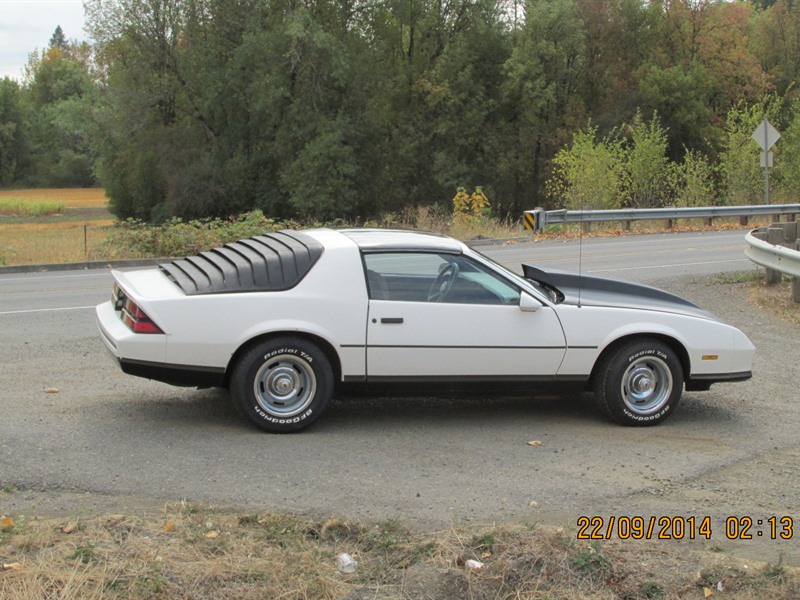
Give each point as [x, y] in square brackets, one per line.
[283, 384]
[640, 384]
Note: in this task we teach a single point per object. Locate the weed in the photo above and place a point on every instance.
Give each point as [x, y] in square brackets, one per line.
[652, 591]
[589, 560]
[774, 571]
[483, 542]
[135, 239]
[7, 488]
[338, 531]
[738, 277]
[386, 536]
[83, 553]
[422, 551]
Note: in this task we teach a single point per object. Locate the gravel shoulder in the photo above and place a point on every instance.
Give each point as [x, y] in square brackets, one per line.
[106, 443]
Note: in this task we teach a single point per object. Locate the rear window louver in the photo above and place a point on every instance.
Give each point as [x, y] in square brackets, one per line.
[265, 263]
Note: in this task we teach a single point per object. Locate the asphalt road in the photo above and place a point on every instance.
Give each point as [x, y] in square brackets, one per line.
[107, 441]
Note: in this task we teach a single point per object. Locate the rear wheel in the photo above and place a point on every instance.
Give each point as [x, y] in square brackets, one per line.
[283, 384]
[640, 384]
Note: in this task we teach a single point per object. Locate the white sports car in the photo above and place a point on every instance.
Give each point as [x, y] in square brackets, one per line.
[290, 319]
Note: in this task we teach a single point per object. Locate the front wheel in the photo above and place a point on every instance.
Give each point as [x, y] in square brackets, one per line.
[283, 384]
[640, 384]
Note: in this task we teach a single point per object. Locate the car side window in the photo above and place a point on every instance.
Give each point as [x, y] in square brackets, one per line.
[433, 277]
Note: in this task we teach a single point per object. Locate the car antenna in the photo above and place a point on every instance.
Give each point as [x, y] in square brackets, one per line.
[580, 255]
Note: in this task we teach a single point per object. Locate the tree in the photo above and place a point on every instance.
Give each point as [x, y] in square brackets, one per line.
[541, 102]
[12, 141]
[646, 164]
[693, 181]
[740, 171]
[775, 40]
[58, 39]
[61, 94]
[786, 174]
[589, 174]
[681, 97]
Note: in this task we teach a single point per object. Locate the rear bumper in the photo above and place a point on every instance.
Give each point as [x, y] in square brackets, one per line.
[143, 355]
[180, 375]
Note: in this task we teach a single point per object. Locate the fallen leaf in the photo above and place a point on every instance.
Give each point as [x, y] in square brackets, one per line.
[534, 443]
[708, 592]
[212, 535]
[51, 391]
[169, 527]
[68, 528]
[7, 522]
[15, 566]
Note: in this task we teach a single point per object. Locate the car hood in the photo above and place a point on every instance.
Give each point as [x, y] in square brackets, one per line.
[599, 291]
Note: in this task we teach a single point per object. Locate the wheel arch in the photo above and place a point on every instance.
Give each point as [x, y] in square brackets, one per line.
[324, 345]
[675, 345]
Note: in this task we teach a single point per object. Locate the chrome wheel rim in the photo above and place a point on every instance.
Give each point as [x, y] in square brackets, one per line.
[646, 385]
[284, 386]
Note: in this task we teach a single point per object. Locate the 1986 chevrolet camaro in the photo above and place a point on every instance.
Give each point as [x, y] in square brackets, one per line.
[287, 320]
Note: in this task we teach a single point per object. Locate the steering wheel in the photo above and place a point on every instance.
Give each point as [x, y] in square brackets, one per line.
[443, 282]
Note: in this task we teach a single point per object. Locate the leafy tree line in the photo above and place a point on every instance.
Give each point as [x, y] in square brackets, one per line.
[350, 108]
[45, 123]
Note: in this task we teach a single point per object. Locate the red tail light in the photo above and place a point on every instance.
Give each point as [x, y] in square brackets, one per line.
[135, 318]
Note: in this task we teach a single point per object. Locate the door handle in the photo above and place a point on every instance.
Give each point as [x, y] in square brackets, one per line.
[392, 320]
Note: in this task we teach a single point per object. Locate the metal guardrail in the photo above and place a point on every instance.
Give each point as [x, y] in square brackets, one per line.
[777, 248]
[537, 219]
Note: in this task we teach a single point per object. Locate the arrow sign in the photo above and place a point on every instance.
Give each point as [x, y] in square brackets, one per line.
[766, 135]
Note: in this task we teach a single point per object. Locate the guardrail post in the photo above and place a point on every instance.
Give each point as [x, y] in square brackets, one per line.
[789, 232]
[774, 237]
[626, 225]
[743, 221]
[669, 223]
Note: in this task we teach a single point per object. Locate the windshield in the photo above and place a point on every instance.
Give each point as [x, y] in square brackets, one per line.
[523, 283]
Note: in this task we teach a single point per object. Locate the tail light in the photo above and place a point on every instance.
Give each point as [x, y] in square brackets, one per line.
[135, 318]
[118, 297]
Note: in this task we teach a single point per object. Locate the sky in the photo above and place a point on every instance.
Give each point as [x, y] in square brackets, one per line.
[26, 25]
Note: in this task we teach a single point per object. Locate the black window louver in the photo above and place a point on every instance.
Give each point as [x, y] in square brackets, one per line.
[265, 263]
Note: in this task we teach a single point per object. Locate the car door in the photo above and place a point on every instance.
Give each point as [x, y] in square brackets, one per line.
[425, 322]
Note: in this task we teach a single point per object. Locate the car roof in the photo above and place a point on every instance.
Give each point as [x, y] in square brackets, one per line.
[376, 240]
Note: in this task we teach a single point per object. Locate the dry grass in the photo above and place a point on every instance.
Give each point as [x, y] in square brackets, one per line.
[71, 197]
[192, 551]
[49, 243]
[776, 299]
[28, 208]
[42, 239]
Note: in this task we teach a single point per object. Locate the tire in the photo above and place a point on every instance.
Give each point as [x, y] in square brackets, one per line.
[283, 384]
[639, 384]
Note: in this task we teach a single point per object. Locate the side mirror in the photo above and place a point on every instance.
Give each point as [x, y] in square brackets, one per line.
[528, 303]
